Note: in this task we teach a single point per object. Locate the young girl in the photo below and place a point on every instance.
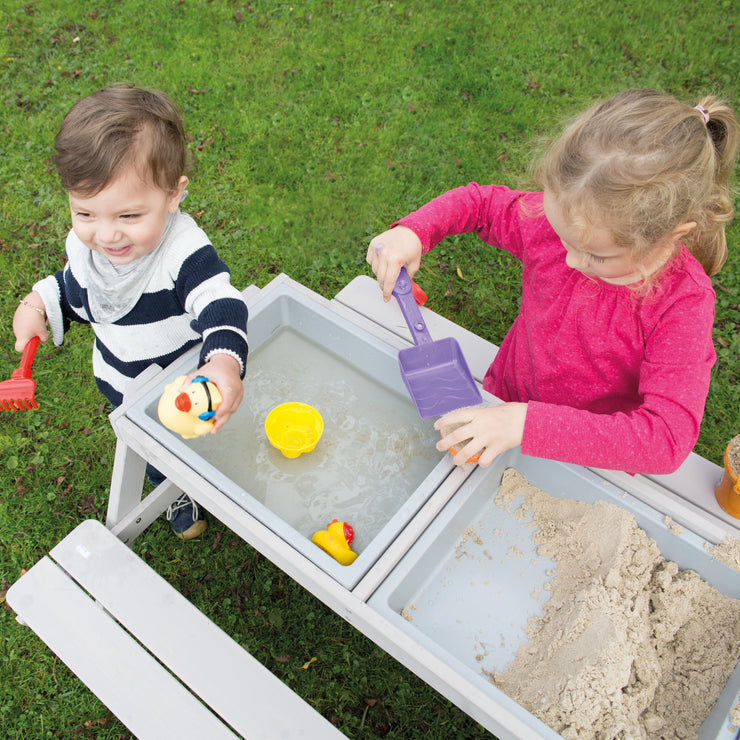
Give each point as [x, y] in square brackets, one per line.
[608, 362]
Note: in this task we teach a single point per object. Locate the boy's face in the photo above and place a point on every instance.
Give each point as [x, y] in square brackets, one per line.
[126, 219]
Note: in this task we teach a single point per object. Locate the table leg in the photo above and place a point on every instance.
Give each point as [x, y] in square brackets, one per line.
[127, 483]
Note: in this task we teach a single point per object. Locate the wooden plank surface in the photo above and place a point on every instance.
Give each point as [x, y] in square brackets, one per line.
[216, 668]
[124, 676]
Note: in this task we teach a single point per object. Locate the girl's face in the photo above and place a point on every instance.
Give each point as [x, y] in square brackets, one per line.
[596, 254]
[126, 219]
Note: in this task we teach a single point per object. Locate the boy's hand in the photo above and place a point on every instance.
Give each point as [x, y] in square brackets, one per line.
[490, 430]
[29, 321]
[223, 370]
[389, 252]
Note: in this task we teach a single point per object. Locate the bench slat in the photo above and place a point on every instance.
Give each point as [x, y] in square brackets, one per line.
[225, 676]
[124, 676]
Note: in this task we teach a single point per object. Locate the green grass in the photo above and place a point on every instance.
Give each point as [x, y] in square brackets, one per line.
[314, 125]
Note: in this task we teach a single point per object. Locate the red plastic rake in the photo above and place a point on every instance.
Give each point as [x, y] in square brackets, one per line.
[17, 393]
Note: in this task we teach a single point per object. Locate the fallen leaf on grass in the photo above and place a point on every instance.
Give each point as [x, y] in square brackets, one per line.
[86, 504]
[304, 667]
[103, 722]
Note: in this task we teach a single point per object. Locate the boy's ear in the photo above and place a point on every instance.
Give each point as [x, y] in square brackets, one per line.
[173, 202]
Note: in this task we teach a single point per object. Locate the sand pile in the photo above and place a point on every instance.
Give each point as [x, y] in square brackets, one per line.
[628, 645]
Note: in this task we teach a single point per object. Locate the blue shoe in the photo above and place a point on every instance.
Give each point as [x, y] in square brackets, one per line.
[186, 518]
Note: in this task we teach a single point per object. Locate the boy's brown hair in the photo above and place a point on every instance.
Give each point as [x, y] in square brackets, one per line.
[114, 128]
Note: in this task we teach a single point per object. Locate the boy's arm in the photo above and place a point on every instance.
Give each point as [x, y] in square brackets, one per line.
[220, 315]
[52, 293]
[221, 319]
[225, 371]
[223, 326]
[29, 320]
[223, 357]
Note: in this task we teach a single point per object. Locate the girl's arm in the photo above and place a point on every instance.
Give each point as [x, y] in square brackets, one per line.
[654, 438]
[654, 427]
[657, 434]
[389, 252]
[489, 430]
[493, 212]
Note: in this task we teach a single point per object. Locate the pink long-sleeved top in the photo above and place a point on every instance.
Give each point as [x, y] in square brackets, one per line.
[614, 377]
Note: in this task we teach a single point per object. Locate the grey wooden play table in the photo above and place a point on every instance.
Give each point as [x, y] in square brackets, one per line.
[117, 624]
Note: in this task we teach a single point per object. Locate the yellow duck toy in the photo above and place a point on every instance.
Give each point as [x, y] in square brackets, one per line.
[336, 540]
[189, 413]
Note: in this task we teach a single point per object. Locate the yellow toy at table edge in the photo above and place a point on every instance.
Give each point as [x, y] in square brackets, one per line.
[336, 540]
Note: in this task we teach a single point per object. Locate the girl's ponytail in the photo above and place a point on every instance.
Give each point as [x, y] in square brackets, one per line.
[708, 242]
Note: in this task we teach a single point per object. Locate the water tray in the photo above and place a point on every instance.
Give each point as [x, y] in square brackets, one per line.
[468, 586]
[375, 464]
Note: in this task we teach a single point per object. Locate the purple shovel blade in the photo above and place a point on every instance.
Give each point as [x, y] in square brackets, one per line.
[435, 373]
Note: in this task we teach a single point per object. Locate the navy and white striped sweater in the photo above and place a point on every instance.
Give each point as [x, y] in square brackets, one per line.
[187, 298]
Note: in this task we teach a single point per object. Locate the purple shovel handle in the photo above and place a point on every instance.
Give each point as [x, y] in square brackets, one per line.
[410, 309]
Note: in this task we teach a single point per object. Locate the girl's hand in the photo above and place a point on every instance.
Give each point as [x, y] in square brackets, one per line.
[389, 252]
[490, 430]
[29, 321]
[223, 370]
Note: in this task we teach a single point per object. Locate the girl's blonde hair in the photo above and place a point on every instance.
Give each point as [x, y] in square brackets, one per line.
[117, 127]
[641, 164]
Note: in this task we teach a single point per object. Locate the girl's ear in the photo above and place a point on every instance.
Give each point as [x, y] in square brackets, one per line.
[680, 232]
[173, 201]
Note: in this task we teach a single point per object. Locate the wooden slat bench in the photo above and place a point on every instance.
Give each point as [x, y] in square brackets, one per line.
[161, 666]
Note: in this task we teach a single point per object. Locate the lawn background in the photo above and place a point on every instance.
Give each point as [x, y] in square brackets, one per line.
[314, 125]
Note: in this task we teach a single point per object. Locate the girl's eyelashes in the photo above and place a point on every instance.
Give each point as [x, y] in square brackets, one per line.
[598, 260]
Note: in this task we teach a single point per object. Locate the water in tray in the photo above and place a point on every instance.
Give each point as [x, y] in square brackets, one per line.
[374, 453]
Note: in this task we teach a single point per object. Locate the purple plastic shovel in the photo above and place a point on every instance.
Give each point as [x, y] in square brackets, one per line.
[436, 374]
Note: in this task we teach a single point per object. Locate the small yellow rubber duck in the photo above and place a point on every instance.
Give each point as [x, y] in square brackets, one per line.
[189, 413]
[336, 540]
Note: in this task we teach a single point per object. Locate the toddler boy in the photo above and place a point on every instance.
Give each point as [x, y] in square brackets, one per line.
[138, 270]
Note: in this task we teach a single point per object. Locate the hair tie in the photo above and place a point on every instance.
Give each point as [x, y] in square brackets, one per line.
[704, 113]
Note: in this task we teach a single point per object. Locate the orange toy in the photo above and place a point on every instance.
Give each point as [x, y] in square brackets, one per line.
[727, 491]
[457, 447]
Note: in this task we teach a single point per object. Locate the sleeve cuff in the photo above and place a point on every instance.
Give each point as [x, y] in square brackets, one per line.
[48, 289]
[226, 341]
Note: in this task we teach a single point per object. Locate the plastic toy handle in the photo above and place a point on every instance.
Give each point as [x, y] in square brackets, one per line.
[419, 295]
[29, 352]
[410, 310]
